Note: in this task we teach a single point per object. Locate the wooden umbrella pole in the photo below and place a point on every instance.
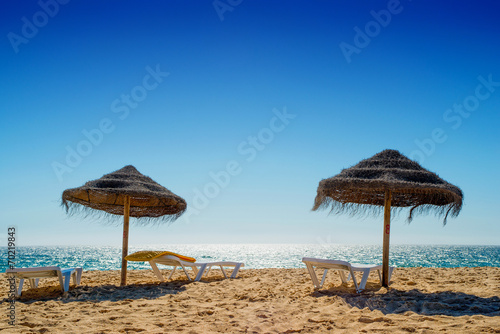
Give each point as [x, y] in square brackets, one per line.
[387, 233]
[126, 213]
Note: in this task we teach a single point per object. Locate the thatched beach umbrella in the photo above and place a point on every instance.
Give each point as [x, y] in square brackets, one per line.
[388, 179]
[129, 193]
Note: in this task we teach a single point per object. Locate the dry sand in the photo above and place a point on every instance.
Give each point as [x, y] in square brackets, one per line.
[419, 300]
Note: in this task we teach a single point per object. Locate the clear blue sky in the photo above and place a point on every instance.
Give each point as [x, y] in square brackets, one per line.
[180, 89]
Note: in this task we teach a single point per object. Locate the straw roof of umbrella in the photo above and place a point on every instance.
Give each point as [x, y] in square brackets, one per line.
[361, 188]
[107, 195]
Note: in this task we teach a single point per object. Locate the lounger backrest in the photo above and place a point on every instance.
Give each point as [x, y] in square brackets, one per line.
[34, 272]
[328, 264]
[168, 260]
[339, 265]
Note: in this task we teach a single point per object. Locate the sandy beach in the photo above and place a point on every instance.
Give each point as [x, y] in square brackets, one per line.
[419, 300]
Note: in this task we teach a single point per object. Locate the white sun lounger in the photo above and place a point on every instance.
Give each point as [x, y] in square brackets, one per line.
[341, 267]
[199, 268]
[34, 274]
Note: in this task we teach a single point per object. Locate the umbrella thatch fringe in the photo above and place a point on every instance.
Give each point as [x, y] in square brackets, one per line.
[105, 198]
[128, 193]
[361, 189]
[368, 210]
[106, 218]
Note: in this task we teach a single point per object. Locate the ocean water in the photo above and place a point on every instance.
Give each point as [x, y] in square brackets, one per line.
[260, 255]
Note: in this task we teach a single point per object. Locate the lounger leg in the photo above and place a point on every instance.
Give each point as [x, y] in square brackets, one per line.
[342, 276]
[172, 273]
[364, 279]
[67, 278]
[223, 272]
[77, 277]
[324, 277]
[314, 278]
[33, 282]
[185, 272]
[200, 272]
[20, 290]
[208, 270]
[356, 286]
[156, 271]
[235, 271]
[61, 280]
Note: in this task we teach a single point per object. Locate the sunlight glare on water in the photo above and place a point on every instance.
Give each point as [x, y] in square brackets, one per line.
[262, 255]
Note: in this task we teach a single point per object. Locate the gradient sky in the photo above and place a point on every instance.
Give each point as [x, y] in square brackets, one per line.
[424, 79]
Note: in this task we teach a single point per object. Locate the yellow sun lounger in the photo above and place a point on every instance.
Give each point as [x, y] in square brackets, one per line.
[34, 274]
[176, 260]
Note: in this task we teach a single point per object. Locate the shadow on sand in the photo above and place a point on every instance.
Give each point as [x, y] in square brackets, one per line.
[85, 293]
[395, 301]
